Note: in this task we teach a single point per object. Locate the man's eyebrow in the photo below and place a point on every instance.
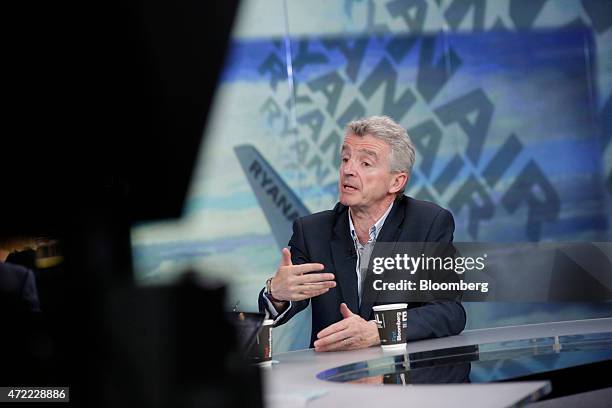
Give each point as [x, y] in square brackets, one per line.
[366, 151]
[369, 152]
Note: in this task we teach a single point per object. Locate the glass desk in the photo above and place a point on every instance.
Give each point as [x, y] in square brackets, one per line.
[480, 363]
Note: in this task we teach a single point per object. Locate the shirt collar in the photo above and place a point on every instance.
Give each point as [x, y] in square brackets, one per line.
[374, 229]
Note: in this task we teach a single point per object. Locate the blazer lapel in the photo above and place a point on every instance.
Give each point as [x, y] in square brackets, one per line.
[390, 232]
[345, 259]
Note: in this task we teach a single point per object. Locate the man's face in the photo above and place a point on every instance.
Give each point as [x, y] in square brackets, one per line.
[365, 172]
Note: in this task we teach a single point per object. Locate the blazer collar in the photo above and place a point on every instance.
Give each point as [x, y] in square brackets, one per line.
[344, 256]
[390, 233]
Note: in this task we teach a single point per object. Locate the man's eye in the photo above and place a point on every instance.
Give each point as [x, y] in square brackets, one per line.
[344, 159]
[366, 164]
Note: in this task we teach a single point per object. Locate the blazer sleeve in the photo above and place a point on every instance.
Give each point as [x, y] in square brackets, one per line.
[299, 256]
[437, 318]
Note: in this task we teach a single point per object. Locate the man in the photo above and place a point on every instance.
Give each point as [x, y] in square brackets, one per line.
[330, 250]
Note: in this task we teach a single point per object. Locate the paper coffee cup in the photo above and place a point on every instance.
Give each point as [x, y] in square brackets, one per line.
[392, 322]
[263, 346]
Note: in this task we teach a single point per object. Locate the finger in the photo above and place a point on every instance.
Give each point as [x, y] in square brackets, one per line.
[332, 347]
[286, 258]
[336, 346]
[345, 311]
[315, 278]
[336, 327]
[307, 267]
[315, 286]
[307, 294]
[344, 344]
[332, 338]
[312, 293]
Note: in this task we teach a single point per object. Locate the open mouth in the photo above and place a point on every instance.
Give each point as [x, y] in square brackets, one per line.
[348, 188]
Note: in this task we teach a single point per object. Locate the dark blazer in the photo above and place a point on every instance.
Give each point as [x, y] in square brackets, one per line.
[18, 293]
[325, 238]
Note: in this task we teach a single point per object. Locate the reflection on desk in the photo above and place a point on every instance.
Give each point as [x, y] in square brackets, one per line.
[446, 374]
[479, 363]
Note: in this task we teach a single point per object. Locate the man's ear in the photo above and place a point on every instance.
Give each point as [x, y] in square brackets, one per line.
[399, 180]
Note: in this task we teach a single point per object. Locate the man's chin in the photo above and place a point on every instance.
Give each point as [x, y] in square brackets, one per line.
[347, 201]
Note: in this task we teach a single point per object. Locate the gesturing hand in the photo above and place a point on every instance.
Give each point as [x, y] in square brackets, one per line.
[351, 333]
[294, 282]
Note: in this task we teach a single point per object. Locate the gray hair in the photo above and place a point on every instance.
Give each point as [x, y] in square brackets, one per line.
[384, 128]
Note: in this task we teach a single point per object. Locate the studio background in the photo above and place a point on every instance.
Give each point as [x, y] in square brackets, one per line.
[508, 103]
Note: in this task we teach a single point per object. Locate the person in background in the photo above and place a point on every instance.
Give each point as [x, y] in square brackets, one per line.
[18, 291]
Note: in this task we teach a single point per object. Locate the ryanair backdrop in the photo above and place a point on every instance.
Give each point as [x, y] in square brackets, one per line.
[507, 102]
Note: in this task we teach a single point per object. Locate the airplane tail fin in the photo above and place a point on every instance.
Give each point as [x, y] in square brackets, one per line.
[280, 204]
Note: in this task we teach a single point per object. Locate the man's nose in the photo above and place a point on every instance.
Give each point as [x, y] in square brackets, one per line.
[347, 168]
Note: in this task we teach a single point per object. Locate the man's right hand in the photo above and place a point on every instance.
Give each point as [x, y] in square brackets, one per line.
[296, 282]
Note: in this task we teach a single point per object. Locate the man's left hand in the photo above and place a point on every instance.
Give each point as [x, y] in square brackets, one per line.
[351, 333]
